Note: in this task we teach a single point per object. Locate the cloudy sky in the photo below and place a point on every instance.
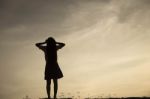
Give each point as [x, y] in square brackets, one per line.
[107, 48]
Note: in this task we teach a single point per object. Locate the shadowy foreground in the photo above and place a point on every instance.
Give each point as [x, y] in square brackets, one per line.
[106, 98]
[121, 98]
[57, 98]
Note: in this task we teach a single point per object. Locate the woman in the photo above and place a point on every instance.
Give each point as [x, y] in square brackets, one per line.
[52, 70]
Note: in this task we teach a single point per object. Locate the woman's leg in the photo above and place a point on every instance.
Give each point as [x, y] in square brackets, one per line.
[55, 87]
[48, 84]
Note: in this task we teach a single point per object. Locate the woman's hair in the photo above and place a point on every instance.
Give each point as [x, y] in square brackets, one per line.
[51, 49]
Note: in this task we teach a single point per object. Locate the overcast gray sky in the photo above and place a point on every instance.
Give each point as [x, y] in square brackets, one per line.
[107, 46]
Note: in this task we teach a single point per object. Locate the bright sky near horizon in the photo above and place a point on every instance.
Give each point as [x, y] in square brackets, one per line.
[107, 48]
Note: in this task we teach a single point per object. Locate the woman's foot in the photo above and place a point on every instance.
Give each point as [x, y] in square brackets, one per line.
[55, 97]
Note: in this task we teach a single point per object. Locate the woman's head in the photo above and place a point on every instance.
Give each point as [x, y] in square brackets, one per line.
[51, 49]
[51, 41]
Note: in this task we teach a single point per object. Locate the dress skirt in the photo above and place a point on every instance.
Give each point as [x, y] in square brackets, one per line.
[53, 71]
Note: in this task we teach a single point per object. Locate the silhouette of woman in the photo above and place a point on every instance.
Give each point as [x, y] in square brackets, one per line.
[52, 70]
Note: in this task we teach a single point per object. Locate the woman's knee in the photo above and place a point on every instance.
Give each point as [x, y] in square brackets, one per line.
[55, 82]
[48, 82]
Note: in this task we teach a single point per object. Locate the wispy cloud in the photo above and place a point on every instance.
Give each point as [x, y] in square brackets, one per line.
[105, 40]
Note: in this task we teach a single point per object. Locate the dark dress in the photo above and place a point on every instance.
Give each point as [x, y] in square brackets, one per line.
[52, 69]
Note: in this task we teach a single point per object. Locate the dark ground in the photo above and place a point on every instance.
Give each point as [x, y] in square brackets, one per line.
[106, 98]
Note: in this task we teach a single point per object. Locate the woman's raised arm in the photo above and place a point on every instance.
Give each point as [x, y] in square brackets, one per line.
[40, 46]
[59, 45]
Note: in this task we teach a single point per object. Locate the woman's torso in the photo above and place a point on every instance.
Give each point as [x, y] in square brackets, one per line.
[50, 57]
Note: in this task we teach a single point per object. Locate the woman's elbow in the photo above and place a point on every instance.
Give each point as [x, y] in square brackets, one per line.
[37, 45]
[64, 44]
